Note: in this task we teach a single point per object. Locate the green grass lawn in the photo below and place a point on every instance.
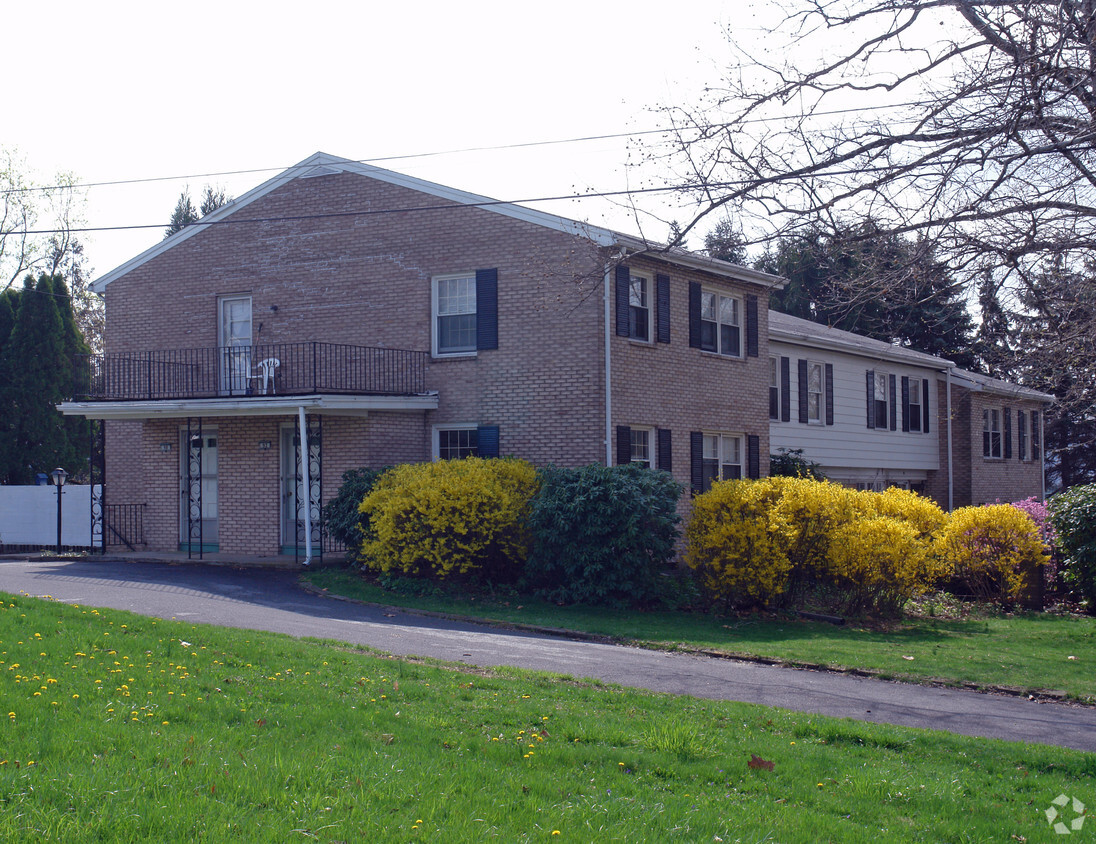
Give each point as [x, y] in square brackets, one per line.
[1029, 651]
[117, 727]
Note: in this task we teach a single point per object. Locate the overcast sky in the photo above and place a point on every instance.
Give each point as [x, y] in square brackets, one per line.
[117, 91]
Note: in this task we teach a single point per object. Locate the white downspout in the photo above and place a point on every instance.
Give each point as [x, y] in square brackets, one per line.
[951, 461]
[608, 376]
[306, 488]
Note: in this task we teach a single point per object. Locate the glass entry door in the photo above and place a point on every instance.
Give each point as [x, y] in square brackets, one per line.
[234, 344]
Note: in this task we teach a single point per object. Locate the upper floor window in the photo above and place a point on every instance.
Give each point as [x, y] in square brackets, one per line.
[1021, 435]
[774, 388]
[639, 307]
[455, 314]
[815, 389]
[720, 324]
[641, 447]
[1036, 453]
[991, 432]
[914, 405]
[880, 401]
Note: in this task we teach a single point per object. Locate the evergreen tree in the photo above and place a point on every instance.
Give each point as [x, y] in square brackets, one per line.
[185, 213]
[726, 242]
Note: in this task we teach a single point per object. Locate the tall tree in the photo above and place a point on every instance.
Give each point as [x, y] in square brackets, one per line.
[967, 124]
[725, 242]
[185, 213]
[37, 367]
[33, 218]
[887, 287]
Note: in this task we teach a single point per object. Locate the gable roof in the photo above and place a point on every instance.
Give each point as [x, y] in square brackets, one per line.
[790, 329]
[321, 164]
[984, 383]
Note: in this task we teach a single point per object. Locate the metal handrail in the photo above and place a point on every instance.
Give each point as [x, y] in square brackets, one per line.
[237, 371]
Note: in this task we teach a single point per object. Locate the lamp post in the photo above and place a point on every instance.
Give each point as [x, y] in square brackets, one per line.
[58, 476]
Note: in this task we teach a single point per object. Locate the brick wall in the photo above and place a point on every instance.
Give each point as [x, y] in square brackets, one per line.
[366, 280]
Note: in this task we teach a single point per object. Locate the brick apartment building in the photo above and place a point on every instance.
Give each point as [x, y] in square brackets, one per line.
[340, 315]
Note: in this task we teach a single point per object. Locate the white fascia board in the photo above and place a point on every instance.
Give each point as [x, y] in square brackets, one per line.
[695, 261]
[893, 354]
[984, 384]
[269, 406]
[322, 163]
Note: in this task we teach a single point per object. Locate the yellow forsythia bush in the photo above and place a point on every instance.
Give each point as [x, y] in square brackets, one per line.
[991, 548]
[813, 510]
[878, 562]
[737, 541]
[451, 517]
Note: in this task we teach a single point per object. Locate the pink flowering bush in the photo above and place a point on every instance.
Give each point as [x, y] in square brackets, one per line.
[1039, 513]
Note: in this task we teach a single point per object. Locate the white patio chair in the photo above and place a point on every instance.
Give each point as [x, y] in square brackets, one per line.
[266, 374]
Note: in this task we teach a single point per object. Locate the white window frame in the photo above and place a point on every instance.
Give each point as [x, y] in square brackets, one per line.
[450, 427]
[991, 425]
[718, 299]
[640, 297]
[435, 316]
[638, 434]
[882, 385]
[816, 412]
[774, 388]
[915, 409]
[723, 452]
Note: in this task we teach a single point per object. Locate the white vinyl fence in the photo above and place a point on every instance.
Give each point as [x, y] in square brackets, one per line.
[28, 515]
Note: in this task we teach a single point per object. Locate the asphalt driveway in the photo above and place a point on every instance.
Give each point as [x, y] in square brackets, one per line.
[260, 599]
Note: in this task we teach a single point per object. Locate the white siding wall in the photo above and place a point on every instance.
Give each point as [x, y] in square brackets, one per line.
[849, 443]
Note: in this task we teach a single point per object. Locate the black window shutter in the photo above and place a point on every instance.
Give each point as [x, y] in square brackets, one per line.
[871, 398]
[662, 296]
[925, 405]
[623, 279]
[751, 325]
[624, 445]
[694, 314]
[893, 403]
[1008, 433]
[785, 389]
[487, 441]
[802, 371]
[905, 403]
[753, 455]
[829, 393]
[665, 449]
[696, 461]
[487, 309]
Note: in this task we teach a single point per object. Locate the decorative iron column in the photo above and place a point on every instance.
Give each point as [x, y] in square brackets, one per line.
[312, 463]
[97, 449]
[193, 490]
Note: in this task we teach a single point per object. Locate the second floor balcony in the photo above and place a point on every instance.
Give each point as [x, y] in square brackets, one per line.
[269, 369]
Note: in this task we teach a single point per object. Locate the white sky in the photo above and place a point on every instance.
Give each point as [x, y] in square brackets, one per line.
[141, 90]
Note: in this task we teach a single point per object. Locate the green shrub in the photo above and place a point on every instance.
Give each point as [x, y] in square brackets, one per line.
[790, 463]
[1073, 514]
[451, 518]
[602, 535]
[343, 518]
[990, 550]
[737, 542]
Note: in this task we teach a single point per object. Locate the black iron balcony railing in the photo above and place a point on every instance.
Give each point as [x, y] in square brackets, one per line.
[283, 369]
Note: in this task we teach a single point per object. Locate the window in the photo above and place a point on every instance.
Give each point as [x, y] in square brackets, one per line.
[915, 404]
[880, 401]
[457, 443]
[455, 314]
[1021, 435]
[641, 446]
[991, 433]
[639, 307]
[815, 388]
[722, 459]
[1036, 453]
[774, 388]
[720, 324]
